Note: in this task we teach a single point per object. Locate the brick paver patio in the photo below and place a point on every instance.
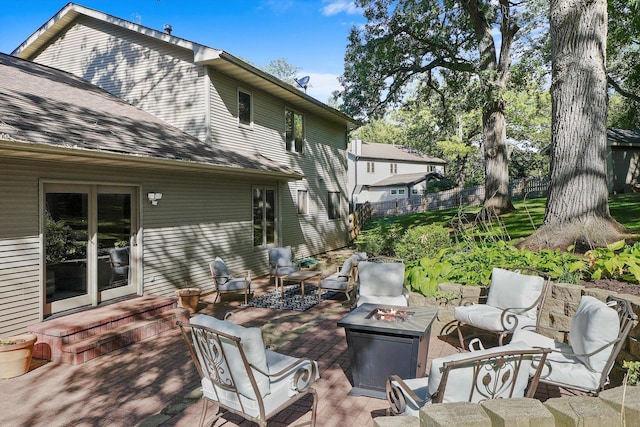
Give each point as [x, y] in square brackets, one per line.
[155, 383]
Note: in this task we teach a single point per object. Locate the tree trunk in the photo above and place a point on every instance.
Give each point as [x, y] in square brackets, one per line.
[497, 199]
[577, 209]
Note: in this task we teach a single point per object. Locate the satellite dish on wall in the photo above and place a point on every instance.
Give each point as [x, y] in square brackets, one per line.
[303, 82]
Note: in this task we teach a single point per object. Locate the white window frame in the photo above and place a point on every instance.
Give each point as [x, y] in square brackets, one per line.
[393, 168]
[240, 122]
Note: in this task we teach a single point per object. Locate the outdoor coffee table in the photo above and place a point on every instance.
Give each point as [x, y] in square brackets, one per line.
[300, 277]
[381, 343]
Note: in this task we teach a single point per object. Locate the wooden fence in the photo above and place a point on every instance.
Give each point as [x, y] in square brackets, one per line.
[472, 196]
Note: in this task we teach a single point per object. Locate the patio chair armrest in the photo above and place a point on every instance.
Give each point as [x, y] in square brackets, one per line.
[245, 274]
[303, 376]
[396, 389]
[472, 300]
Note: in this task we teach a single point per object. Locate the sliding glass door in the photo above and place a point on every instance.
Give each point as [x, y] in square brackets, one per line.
[90, 241]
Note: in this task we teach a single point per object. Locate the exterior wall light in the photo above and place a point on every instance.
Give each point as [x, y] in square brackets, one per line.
[154, 197]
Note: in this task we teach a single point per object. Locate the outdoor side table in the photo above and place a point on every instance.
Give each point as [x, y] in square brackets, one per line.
[384, 344]
[300, 277]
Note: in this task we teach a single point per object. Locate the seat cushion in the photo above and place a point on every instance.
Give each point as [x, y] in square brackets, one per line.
[561, 366]
[514, 290]
[283, 271]
[253, 347]
[373, 299]
[593, 326]
[487, 317]
[335, 282]
[234, 285]
[384, 279]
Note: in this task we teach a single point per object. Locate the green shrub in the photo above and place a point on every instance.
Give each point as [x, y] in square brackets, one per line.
[616, 261]
[379, 240]
[422, 241]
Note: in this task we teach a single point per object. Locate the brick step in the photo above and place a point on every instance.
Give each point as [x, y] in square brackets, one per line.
[121, 323]
[83, 350]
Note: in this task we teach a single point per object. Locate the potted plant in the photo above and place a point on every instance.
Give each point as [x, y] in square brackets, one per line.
[188, 298]
[15, 355]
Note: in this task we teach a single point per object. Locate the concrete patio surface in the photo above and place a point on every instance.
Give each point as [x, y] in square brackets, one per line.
[155, 383]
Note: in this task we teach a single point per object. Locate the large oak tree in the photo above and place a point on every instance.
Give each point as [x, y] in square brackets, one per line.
[577, 211]
[408, 40]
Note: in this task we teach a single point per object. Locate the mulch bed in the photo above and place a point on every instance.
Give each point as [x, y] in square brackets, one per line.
[614, 285]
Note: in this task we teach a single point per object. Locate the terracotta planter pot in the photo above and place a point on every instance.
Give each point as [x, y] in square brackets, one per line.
[15, 358]
[188, 298]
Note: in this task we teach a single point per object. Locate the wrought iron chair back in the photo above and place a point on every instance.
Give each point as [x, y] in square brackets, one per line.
[493, 374]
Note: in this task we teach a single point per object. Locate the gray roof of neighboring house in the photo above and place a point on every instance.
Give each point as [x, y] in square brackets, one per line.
[203, 55]
[374, 150]
[623, 137]
[42, 108]
[405, 179]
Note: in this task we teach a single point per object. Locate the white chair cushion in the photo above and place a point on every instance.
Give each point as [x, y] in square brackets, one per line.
[385, 279]
[282, 257]
[486, 317]
[420, 387]
[335, 281]
[253, 346]
[372, 299]
[560, 368]
[220, 269]
[345, 270]
[593, 326]
[460, 381]
[234, 284]
[514, 290]
[283, 271]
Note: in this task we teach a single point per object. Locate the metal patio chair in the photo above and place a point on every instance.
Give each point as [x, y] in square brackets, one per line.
[495, 373]
[241, 376]
[597, 334]
[514, 301]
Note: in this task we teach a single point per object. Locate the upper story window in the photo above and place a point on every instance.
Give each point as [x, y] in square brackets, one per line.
[371, 167]
[430, 168]
[294, 131]
[393, 168]
[245, 110]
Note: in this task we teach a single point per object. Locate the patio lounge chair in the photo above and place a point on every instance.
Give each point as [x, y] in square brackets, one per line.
[281, 263]
[225, 281]
[596, 335]
[381, 281]
[241, 376]
[514, 301]
[344, 279]
[498, 372]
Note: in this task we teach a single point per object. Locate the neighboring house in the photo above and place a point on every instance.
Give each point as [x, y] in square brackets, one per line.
[254, 163]
[379, 172]
[623, 160]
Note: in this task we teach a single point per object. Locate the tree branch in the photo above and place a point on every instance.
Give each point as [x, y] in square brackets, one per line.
[621, 91]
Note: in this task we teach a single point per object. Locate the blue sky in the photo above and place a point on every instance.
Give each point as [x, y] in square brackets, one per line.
[309, 34]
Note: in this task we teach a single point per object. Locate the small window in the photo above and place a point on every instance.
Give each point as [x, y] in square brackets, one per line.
[371, 167]
[394, 191]
[333, 204]
[430, 168]
[393, 168]
[244, 108]
[294, 131]
[303, 202]
[414, 191]
[401, 191]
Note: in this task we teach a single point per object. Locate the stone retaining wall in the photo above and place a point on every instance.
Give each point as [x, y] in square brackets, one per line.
[615, 407]
[559, 307]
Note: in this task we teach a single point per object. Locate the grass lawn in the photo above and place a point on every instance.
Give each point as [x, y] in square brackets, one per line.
[527, 217]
